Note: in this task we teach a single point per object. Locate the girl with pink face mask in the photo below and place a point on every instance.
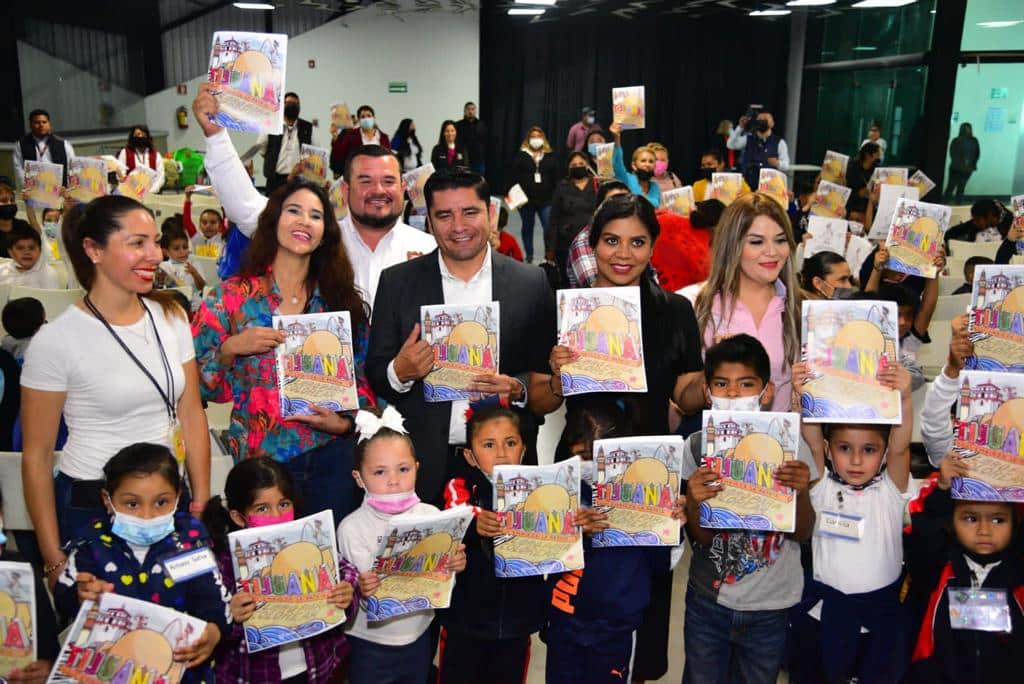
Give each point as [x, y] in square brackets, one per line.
[259, 492]
[665, 179]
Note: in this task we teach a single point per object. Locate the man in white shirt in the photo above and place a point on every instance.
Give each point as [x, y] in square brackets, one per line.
[373, 234]
[282, 152]
[41, 145]
[875, 136]
[464, 271]
[759, 145]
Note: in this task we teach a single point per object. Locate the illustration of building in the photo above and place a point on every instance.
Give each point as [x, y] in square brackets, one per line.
[511, 492]
[225, 53]
[111, 624]
[253, 558]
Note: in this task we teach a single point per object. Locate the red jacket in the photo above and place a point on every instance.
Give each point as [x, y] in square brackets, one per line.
[682, 253]
[346, 143]
[509, 247]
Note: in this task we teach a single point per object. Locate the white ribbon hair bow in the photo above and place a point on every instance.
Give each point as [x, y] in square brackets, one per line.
[368, 424]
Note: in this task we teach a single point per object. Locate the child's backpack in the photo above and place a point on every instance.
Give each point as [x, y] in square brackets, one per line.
[235, 244]
[191, 165]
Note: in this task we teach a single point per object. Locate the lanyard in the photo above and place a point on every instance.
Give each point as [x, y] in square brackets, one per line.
[172, 412]
[41, 150]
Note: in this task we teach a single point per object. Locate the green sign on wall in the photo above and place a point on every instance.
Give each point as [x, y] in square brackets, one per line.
[999, 94]
[398, 86]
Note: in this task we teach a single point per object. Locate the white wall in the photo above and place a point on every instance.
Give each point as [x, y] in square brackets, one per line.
[437, 54]
[71, 95]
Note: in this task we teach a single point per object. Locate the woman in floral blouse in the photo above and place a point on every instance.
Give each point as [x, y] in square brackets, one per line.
[295, 264]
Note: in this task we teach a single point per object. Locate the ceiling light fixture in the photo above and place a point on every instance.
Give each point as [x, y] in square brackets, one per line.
[876, 4]
[549, 3]
[809, 3]
[1000, 24]
[770, 13]
[254, 5]
[526, 11]
[864, 48]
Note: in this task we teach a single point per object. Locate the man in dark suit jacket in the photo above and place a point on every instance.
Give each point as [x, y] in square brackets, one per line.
[463, 270]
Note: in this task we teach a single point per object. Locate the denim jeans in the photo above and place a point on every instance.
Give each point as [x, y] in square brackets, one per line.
[527, 213]
[323, 478]
[723, 646]
[373, 663]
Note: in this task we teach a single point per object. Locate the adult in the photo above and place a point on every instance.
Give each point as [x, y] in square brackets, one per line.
[366, 133]
[721, 143]
[665, 179]
[983, 226]
[373, 235]
[140, 150]
[858, 174]
[129, 376]
[283, 151]
[580, 267]
[535, 170]
[578, 132]
[449, 151]
[572, 206]
[640, 178]
[40, 144]
[826, 275]
[473, 134]
[463, 271]
[759, 147]
[407, 146]
[623, 236]
[964, 153]
[711, 162]
[296, 264]
[682, 254]
[875, 136]
[752, 287]
[10, 224]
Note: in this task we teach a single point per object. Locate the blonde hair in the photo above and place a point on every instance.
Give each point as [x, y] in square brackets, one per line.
[726, 251]
[640, 150]
[724, 126]
[657, 147]
[529, 134]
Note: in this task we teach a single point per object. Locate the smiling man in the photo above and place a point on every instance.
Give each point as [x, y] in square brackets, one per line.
[374, 236]
[463, 271]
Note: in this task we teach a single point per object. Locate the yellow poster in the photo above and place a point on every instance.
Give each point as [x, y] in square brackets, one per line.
[725, 187]
[915, 237]
[833, 168]
[990, 420]
[773, 183]
[17, 616]
[43, 181]
[830, 200]
[628, 108]
[678, 200]
[415, 181]
[87, 178]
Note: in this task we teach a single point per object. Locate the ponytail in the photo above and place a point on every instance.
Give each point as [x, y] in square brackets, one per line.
[218, 523]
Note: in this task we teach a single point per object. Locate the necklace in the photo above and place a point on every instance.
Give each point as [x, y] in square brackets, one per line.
[294, 299]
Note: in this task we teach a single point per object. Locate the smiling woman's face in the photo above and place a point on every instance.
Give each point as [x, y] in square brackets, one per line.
[765, 250]
[301, 226]
[623, 252]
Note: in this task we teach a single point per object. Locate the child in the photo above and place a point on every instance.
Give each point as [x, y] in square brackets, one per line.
[963, 545]
[740, 577]
[208, 241]
[502, 241]
[486, 633]
[26, 268]
[126, 555]
[395, 651]
[857, 546]
[259, 492]
[594, 611]
[22, 318]
[177, 269]
[969, 267]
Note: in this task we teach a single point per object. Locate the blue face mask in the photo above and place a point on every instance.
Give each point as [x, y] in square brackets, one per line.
[592, 149]
[142, 531]
[366, 123]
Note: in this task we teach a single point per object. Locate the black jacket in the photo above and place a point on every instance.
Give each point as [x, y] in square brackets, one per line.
[305, 133]
[523, 170]
[473, 134]
[571, 209]
[439, 157]
[936, 562]
[483, 605]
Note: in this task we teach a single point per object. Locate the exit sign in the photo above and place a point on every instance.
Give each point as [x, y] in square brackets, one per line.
[398, 86]
[999, 94]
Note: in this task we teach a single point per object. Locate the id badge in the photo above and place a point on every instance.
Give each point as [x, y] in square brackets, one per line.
[536, 178]
[985, 610]
[190, 564]
[178, 442]
[840, 525]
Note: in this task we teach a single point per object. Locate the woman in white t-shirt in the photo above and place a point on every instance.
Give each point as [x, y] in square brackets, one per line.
[119, 365]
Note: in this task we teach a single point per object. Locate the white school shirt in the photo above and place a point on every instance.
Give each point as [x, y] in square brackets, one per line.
[359, 537]
[180, 277]
[41, 275]
[142, 159]
[459, 293]
[856, 566]
[42, 154]
[936, 423]
[243, 205]
[200, 240]
[110, 403]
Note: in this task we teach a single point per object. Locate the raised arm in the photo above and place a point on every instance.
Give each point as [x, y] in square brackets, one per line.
[898, 460]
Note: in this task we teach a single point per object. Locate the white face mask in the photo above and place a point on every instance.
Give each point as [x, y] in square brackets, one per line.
[737, 403]
[536, 143]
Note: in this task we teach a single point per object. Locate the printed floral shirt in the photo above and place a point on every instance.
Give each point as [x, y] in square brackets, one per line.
[251, 381]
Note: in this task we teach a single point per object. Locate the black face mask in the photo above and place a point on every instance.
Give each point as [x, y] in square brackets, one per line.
[139, 141]
[291, 111]
[8, 211]
[705, 173]
[644, 174]
[761, 126]
[577, 172]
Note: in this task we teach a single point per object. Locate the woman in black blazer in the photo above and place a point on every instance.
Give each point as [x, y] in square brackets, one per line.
[448, 152]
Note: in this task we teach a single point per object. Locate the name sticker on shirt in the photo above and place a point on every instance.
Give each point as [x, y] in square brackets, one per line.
[985, 610]
[190, 564]
[841, 525]
[536, 178]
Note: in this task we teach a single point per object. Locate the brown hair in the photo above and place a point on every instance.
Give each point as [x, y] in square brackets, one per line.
[329, 265]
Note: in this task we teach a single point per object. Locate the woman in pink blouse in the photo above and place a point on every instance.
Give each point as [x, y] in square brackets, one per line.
[752, 287]
[296, 264]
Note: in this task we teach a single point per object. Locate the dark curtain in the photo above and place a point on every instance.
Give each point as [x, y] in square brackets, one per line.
[696, 71]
